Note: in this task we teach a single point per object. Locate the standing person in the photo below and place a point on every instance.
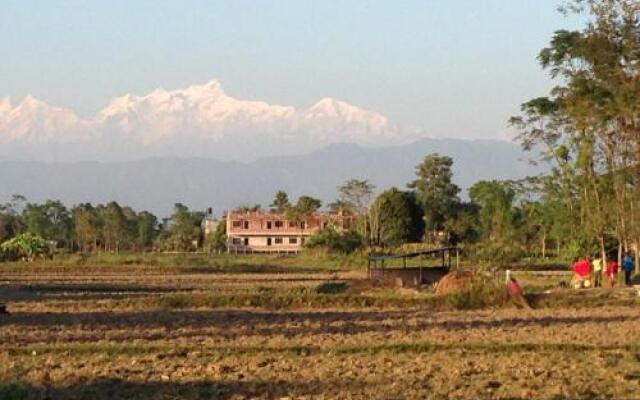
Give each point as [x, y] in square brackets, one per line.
[627, 266]
[612, 272]
[597, 271]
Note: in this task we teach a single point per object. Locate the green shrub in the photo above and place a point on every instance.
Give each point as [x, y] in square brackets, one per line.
[217, 241]
[332, 288]
[479, 294]
[334, 241]
[25, 246]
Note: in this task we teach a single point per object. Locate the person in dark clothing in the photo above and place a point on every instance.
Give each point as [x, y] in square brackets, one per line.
[628, 266]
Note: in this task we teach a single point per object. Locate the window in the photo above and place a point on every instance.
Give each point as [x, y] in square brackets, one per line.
[246, 241]
[236, 240]
[246, 224]
[303, 225]
[268, 241]
[268, 224]
[236, 224]
[292, 224]
[279, 224]
[278, 240]
[293, 240]
[302, 241]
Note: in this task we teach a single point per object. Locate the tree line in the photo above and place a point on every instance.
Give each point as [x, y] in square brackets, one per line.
[499, 220]
[429, 210]
[86, 227]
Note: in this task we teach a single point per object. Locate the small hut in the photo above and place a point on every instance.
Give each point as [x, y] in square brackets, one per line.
[413, 269]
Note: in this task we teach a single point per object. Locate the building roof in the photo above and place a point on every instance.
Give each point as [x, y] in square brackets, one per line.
[273, 215]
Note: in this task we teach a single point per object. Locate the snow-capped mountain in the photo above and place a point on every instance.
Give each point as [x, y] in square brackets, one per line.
[334, 116]
[197, 120]
[34, 121]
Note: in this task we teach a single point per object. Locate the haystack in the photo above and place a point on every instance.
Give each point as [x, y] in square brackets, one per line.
[454, 282]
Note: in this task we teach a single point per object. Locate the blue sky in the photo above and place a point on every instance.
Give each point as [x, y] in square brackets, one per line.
[450, 68]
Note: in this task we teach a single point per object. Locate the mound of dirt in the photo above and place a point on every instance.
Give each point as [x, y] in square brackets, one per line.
[455, 281]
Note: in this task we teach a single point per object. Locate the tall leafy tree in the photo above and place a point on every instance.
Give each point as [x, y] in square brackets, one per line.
[86, 226]
[51, 220]
[280, 202]
[184, 229]
[147, 229]
[305, 206]
[114, 226]
[498, 219]
[590, 119]
[11, 222]
[356, 195]
[396, 218]
[463, 224]
[435, 191]
[495, 200]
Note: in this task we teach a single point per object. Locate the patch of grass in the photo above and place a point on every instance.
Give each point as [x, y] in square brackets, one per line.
[173, 302]
[15, 391]
[331, 296]
[151, 263]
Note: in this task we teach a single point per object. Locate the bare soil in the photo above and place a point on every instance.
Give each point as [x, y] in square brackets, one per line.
[92, 336]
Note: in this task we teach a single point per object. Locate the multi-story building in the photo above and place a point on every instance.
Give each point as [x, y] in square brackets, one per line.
[272, 232]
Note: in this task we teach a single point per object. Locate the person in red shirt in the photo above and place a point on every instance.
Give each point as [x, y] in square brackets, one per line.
[515, 292]
[582, 268]
[513, 288]
[612, 272]
[581, 273]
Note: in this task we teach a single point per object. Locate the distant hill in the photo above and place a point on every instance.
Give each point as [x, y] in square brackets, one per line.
[155, 184]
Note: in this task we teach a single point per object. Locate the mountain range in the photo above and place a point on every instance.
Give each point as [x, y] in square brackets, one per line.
[200, 120]
[155, 184]
[200, 146]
